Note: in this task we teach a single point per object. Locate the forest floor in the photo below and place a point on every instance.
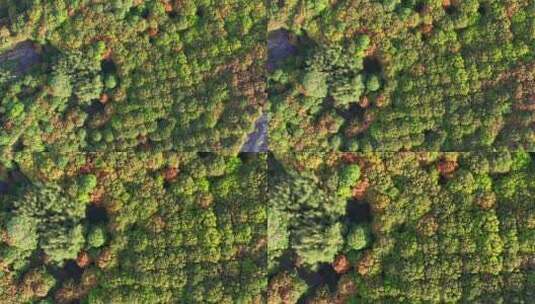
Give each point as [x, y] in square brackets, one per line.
[279, 48]
[23, 56]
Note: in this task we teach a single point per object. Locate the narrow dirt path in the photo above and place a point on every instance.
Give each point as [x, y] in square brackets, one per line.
[279, 48]
[258, 140]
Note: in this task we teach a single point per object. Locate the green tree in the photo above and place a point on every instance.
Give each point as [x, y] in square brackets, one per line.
[22, 232]
[96, 237]
[373, 83]
[348, 178]
[61, 244]
[315, 84]
[110, 82]
[348, 90]
[306, 219]
[358, 237]
[60, 85]
[57, 219]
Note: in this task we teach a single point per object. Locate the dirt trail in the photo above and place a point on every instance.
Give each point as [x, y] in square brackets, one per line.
[279, 48]
[258, 140]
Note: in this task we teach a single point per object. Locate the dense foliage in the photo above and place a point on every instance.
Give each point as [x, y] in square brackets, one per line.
[418, 228]
[131, 75]
[303, 217]
[122, 123]
[423, 75]
[315, 227]
[124, 228]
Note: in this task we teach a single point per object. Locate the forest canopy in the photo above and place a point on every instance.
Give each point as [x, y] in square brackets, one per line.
[130, 75]
[304, 227]
[424, 227]
[391, 75]
[279, 152]
[129, 227]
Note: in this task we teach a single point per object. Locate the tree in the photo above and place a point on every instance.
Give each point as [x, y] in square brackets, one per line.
[348, 90]
[37, 283]
[56, 219]
[110, 82]
[363, 42]
[348, 178]
[286, 287]
[62, 244]
[309, 219]
[373, 83]
[314, 246]
[60, 85]
[96, 237]
[315, 84]
[358, 237]
[22, 233]
[87, 183]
